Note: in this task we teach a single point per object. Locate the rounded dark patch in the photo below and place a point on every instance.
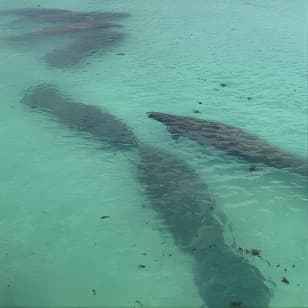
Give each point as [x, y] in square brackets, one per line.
[104, 217]
[236, 304]
[285, 280]
[253, 168]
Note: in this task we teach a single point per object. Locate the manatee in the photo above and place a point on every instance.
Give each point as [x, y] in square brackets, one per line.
[182, 200]
[81, 48]
[63, 29]
[86, 33]
[177, 194]
[55, 15]
[232, 140]
[96, 123]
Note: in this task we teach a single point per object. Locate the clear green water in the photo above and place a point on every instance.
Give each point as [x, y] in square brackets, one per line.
[54, 187]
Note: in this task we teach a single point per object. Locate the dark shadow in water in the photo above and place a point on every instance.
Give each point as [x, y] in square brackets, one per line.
[99, 125]
[80, 49]
[178, 195]
[54, 16]
[71, 29]
[88, 32]
[232, 140]
[181, 198]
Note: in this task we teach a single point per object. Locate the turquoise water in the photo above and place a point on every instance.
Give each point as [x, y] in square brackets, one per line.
[55, 186]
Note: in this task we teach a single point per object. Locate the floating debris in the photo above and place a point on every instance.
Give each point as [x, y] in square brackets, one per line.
[196, 111]
[93, 292]
[255, 252]
[141, 266]
[236, 305]
[253, 168]
[285, 280]
[104, 217]
[138, 304]
[223, 84]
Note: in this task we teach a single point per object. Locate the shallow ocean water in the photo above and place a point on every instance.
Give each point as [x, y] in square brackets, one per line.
[54, 185]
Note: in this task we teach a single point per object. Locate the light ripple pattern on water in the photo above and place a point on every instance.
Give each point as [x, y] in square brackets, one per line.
[55, 249]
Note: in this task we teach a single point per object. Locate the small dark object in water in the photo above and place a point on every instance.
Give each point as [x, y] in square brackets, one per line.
[278, 265]
[170, 254]
[236, 305]
[241, 250]
[255, 252]
[121, 54]
[144, 253]
[104, 217]
[138, 304]
[285, 280]
[223, 84]
[141, 266]
[285, 270]
[196, 111]
[293, 266]
[200, 103]
[94, 291]
[249, 98]
[253, 168]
